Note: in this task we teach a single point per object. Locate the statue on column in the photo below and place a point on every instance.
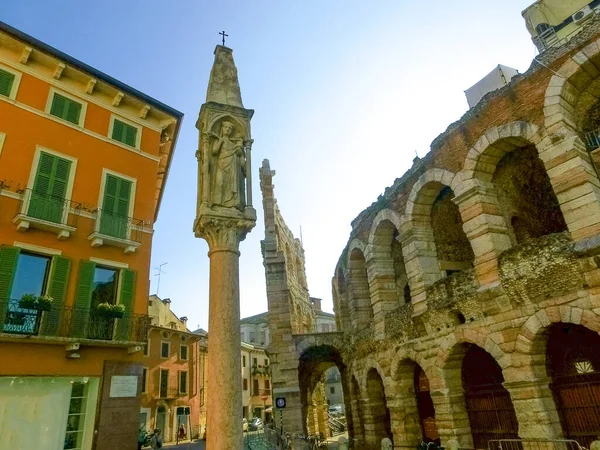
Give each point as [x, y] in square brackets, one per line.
[228, 168]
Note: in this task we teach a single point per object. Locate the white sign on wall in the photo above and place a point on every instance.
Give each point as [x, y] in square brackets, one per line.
[123, 386]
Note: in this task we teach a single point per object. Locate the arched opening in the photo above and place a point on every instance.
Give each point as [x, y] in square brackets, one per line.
[377, 421]
[573, 363]
[390, 282]
[525, 195]
[454, 250]
[321, 374]
[489, 406]
[425, 407]
[340, 302]
[360, 295]
[401, 278]
[162, 421]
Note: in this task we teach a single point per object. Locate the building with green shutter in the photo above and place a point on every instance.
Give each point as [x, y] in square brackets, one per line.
[83, 164]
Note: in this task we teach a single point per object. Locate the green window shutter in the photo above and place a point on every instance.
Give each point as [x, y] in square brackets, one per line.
[127, 297]
[83, 299]
[125, 133]
[50, 188]
[130, 135]
[73, 112]
[8, 264]
[6, 82]
[59, 106]
[115, 207]
[117, 132]
[57, 289]
[65, 108]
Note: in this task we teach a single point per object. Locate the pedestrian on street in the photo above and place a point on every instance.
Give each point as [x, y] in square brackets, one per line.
[156, 441]
[141, 437]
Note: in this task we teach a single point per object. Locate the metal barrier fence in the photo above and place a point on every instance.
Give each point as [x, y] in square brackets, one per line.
[534, 444]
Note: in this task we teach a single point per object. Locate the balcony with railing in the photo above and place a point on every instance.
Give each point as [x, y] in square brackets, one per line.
[117, 231]
[47, 212]
[71, 323]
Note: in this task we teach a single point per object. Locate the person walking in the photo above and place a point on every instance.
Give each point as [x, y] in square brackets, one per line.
[156, 441]
[141, 437]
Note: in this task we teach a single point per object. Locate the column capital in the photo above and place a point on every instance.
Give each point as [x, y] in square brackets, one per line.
[224, 228]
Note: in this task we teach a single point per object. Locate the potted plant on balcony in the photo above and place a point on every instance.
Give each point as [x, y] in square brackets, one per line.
[31, 301]
[44, 303]
[109, 310]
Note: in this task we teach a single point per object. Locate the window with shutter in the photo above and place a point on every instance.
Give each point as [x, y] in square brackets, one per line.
[125, 133]
[65, 108]
[183, 381]
[7, 80]
[50, 188]
[114, 218]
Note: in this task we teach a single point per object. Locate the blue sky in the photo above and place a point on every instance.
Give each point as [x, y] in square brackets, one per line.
[344, 93]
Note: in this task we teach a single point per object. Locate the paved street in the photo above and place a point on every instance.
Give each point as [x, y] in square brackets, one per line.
[196, 445]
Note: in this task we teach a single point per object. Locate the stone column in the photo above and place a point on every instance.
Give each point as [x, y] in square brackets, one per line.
[452, 418]
[535, 409]
[224, 421]
[485, 228]
[420, 261]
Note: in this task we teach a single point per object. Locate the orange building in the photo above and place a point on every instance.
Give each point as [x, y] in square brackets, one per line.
[83, 164]
[173, 374]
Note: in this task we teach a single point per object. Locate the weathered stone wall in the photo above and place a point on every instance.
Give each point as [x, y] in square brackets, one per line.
[518, 155]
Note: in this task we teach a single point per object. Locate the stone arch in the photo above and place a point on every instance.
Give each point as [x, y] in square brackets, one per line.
[450, 394]
[483, 157]
[451, 343]
[361, 310]
[383, 215]
[239, 124]
[421, 197]
[506, 197]
[385, 265]
[571, 96]
[371, 363]
[408, 354]
[529, 372]
[433, 225]
[531, 340]
[314, 360]
[413, 407]
[339, 287]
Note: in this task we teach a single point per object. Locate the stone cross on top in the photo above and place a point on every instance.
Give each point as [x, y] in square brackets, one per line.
[222, 33]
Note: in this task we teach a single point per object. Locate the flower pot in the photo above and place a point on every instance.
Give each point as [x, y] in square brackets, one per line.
[28, 304]
[44, 306]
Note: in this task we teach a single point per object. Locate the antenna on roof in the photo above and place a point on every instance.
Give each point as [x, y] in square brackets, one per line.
[160, 272]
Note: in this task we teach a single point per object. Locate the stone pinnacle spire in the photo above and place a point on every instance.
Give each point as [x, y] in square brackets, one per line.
[223, 86]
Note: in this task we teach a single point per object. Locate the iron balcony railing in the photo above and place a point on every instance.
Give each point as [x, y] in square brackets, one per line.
[113, 225]
[49, 208]
[71, 322]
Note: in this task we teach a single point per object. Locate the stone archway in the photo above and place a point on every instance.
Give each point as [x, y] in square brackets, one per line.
[432, 251]
[414, 404]
[571, 93]
[360, 294]
[386, 270]
[314, 361]
[573, 364]
[498, 205]
[489, 406]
